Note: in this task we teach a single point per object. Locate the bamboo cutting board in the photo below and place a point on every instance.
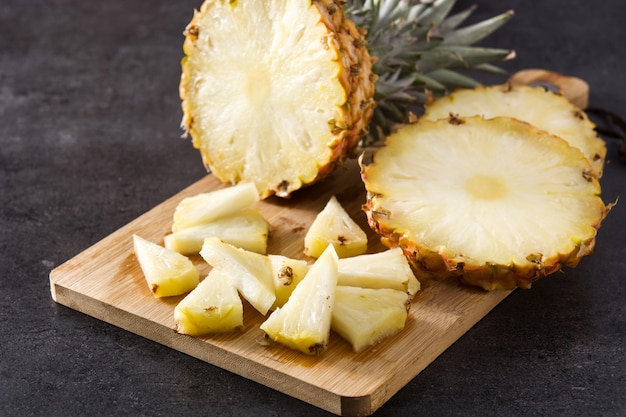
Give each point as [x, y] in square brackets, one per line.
[105, 281]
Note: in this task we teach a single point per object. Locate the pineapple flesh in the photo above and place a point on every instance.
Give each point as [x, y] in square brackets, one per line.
[287, 274]
[275, 92]
[366, 316]
[386, 269]
[213, 306]
[334, 226]
[497, 202]
[535, 105]
[303, 323]
[167, 273]
[246, 229]
[250, 272]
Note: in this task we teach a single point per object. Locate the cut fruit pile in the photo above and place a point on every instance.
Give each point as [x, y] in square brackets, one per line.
[374, 291]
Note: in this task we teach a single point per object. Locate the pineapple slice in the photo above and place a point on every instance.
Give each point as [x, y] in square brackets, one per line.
[167, 272]
[207, 207]
[246, 229]
[334, 226]
[366, 316]
[387, 269]
[287, 274]
[536, 105]
[303, 323]
[213, 306]
[250, 272]
[275, 92]
[498, 202]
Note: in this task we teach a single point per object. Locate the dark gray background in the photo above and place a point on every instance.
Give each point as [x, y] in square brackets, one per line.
[90, 139]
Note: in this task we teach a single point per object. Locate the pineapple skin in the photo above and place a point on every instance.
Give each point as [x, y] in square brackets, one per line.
[351, 120]
[440, 263]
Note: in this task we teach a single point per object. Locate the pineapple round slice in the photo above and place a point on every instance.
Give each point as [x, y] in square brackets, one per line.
[275, 92]
[498, 202]
[536, 105]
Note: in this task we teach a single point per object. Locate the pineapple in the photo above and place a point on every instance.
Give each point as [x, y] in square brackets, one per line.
[366, 316]
[535, 105]
[246, 229]
[287, 274]
[497, 202]
[249, 272]
[275, 92]
[303, 323]
[334, 226]
[213, 306]
[167, 273]
[386, 269]
[279, 93]
[207, 207]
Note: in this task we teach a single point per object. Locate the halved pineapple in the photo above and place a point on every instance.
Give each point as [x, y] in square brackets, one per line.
[334, 226]
[303, 323]
[386, 269]
[540, 107]
[213, 306]
[366, 316]
[275, 92]
[167, 272]
[246, 229]
[250, 272]
[287, 274]
[207, 207]
[498, 202]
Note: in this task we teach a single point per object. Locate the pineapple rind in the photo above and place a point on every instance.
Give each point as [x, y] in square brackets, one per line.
[544, 214]
[213, 306]
[167, 273]
[366, 316]
[249, 272]
[277, 92]
[536, 105]
[334, 226]
[303, 323]
[246, 229]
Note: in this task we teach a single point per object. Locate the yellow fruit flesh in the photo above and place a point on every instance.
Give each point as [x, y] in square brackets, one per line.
[213, 306]
[333, 226]
[287, 274]
[167, 273]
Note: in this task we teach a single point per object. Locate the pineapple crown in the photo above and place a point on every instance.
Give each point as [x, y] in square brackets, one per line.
[420, 50]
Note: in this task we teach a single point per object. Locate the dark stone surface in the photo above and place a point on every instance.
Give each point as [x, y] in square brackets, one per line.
[89, 140]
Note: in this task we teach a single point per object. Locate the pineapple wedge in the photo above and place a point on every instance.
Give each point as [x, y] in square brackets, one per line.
[287, 274]
[246, 229]
[334, 226]
[387, 269]
[497, 202]
[366, 316]
[207, 207]
[213, 306]
[167, 272]
[249, 272]
[303, 323]
[535, 105]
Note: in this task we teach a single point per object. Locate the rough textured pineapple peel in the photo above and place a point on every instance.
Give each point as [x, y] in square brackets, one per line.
[275, 92]
[498, 202]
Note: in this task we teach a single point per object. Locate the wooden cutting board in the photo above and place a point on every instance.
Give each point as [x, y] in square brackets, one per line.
[105, 282]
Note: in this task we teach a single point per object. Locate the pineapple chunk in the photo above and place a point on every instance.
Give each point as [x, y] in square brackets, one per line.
[287, 274]
[366, 316]
[206, 207]
[303, 323]
[249, 272]
[497, 202]
[213, 306]
[167, 272]
[246, 229]
[334, 226]
[387, 269]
